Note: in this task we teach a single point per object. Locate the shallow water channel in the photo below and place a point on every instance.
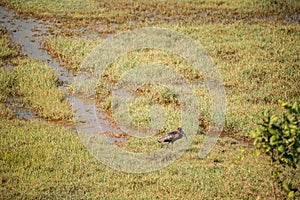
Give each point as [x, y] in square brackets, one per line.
[28, 32]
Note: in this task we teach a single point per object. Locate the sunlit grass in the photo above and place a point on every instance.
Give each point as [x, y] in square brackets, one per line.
[259, 65]
[45, 161]
[8, 49]
[34, 84]
[71, 51]
[130, 68]
[115, 15]
[5, 90]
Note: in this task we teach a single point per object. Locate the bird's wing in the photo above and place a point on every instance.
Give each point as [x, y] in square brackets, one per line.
[170, 136]
[167, 138]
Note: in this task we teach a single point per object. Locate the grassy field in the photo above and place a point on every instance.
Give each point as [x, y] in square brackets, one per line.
[254, 45]
[44, 161]
[8, 49]
[259, 64]
[32, 83]
[86, 16]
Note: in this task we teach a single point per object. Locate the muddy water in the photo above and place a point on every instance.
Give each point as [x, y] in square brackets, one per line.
[28, 33]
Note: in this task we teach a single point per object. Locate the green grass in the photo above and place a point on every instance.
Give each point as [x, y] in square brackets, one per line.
[8, 50]
[257, 56]
[116, 15]
[5, 90]
[72, 51]
[32, 83]
[36, 84]
[39, 160]
[259, 64]
[119, 11]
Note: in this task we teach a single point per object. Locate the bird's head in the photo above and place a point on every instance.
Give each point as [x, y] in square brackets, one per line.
[181, 132]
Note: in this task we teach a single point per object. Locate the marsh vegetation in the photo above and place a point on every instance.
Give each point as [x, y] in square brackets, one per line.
[254, 45]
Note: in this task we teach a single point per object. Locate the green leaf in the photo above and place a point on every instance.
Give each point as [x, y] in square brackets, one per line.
[292, 126]
[287, 132]
[274, 118]
[253, 134]
[291, 118]
[291, 194]
[283, 104]
[273, 140]
[286, 186]
[296, 107]
[277, 136]
[273, 131]
[280, 148]
[256, 152]
[286, 160]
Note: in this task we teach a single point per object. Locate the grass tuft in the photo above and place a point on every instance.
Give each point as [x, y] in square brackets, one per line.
[8, 50]
[70, 51]
[36, 84]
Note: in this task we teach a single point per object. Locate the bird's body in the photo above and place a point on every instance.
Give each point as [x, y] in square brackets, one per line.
[172, 136]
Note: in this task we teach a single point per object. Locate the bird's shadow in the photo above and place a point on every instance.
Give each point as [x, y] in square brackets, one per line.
[170, 147]
[190, 150]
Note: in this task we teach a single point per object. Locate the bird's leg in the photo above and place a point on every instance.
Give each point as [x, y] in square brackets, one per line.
[172, 146]
[168, 145]
[184, 135]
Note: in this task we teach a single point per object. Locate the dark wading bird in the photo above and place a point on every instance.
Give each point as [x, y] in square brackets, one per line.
[172, 136]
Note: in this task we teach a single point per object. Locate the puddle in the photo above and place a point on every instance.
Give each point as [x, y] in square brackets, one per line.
[28, 33]
[21, 111]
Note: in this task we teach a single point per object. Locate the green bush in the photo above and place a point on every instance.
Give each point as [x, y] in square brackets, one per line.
[278, 137]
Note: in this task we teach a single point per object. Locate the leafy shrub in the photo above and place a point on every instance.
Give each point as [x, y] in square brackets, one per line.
[278, 137]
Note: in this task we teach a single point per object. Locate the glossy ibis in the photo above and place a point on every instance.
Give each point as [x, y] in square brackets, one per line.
[172, 136]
